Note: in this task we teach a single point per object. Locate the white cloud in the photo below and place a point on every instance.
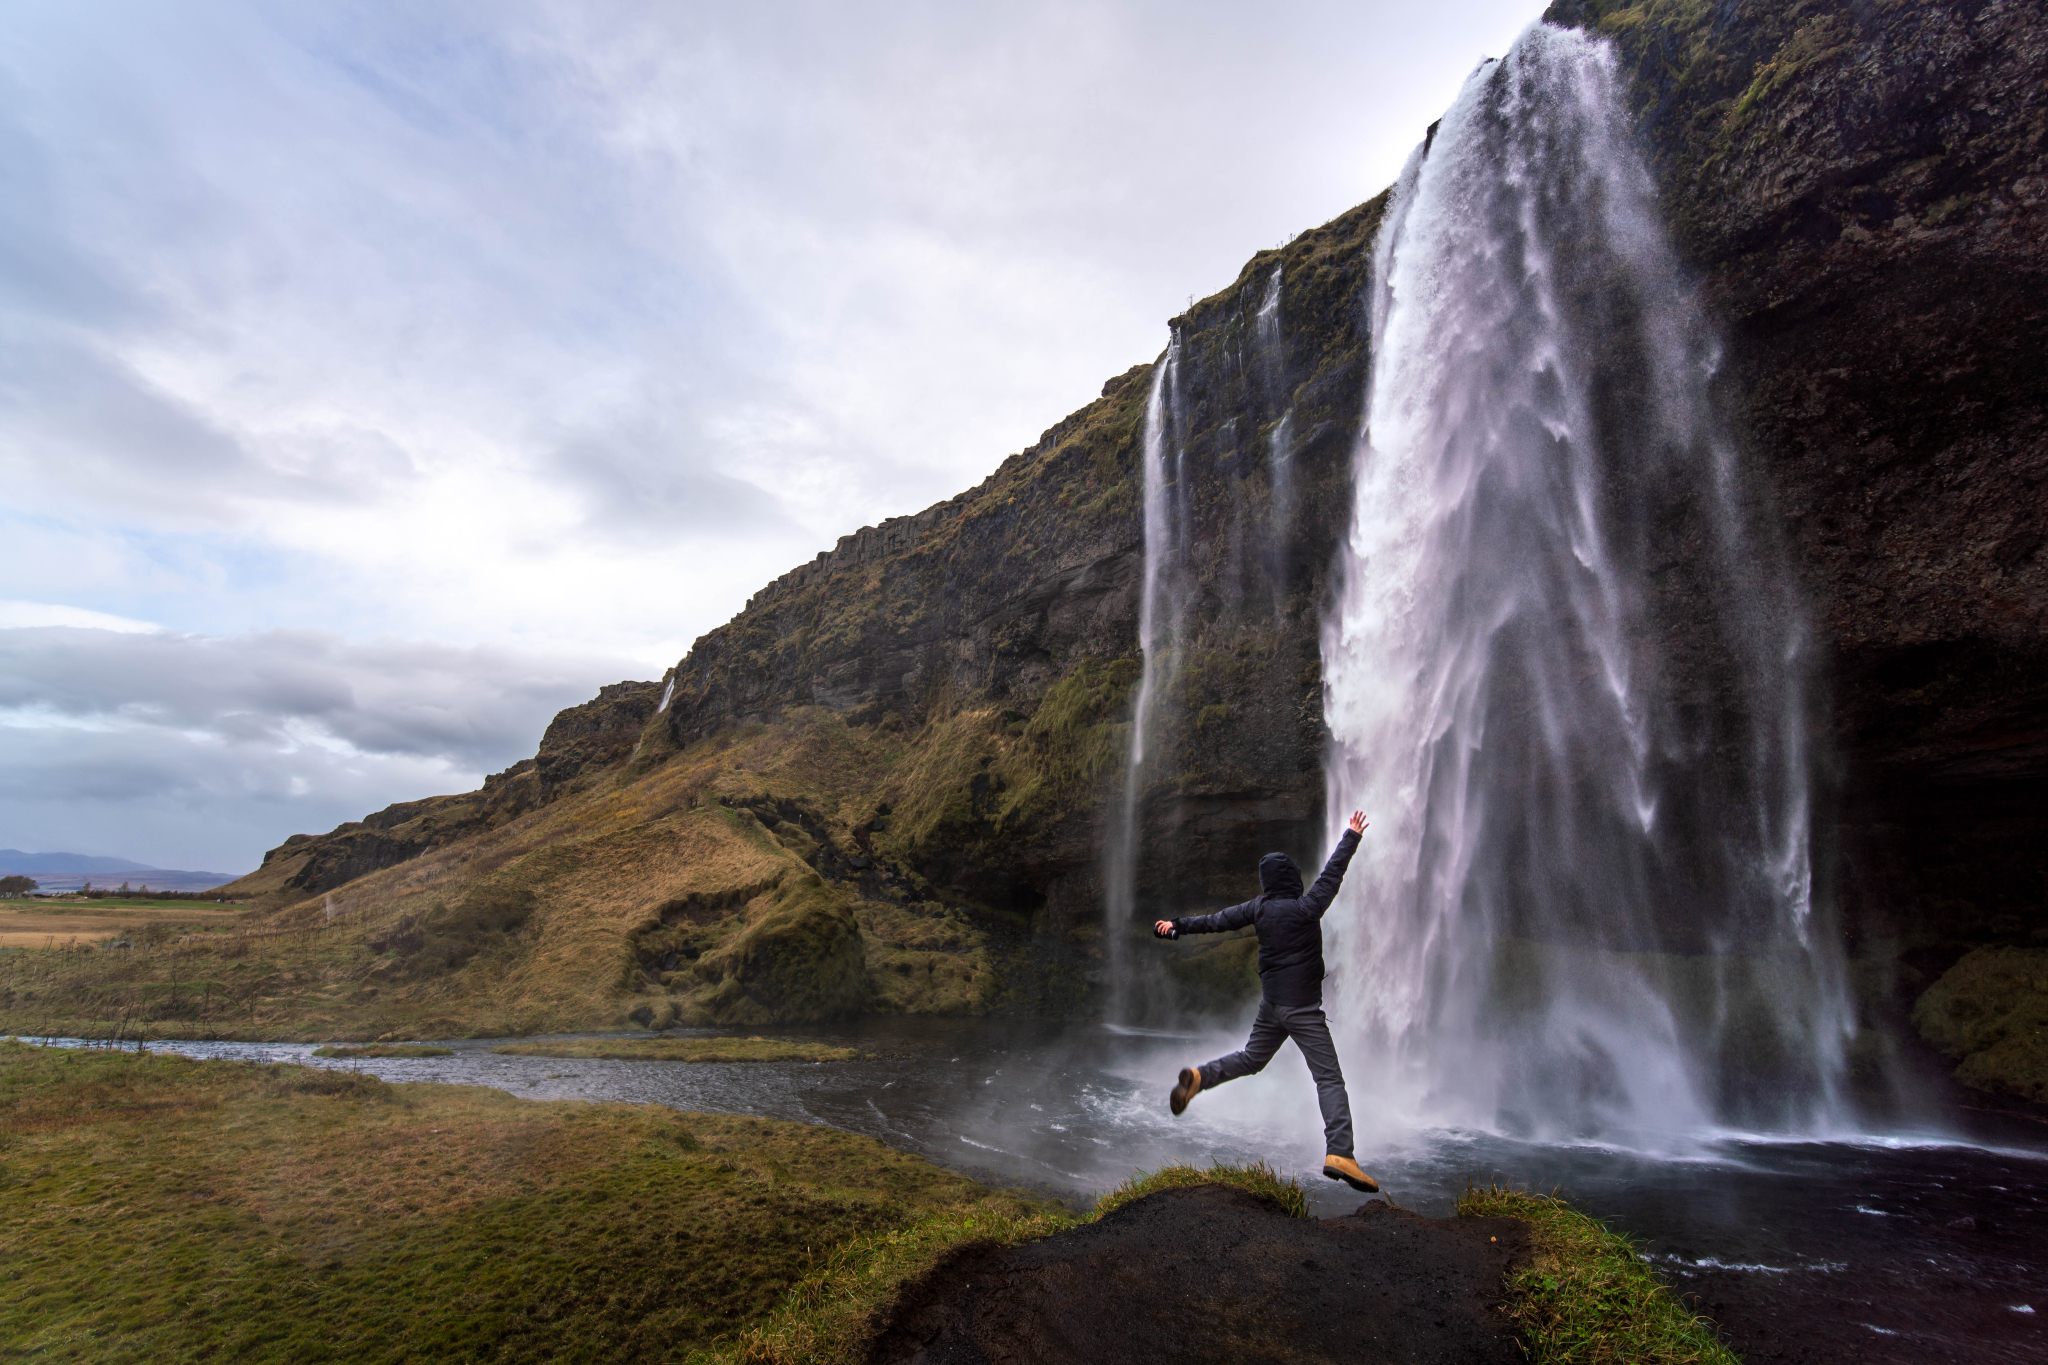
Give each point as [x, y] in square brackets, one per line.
[558, 328]
[13, 614]
[111, 739]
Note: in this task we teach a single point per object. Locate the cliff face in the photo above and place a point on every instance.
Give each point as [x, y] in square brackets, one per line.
[1863, 188]
[933, 717]
[964, 620]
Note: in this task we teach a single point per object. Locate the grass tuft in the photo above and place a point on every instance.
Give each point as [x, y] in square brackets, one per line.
[1586, 1297]
[1257, 1179]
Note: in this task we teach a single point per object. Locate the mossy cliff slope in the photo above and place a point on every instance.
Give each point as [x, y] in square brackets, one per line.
[1863, 187]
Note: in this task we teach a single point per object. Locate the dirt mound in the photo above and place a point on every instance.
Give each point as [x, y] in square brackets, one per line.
[1213, 1274]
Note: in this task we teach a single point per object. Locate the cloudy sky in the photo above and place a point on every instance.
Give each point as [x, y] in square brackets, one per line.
[377, 379]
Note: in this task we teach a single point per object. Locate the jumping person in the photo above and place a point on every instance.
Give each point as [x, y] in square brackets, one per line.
[1291, 980]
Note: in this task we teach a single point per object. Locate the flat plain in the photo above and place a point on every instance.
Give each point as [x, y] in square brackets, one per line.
[33, 923]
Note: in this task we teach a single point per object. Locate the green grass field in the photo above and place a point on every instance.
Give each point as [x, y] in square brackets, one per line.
[153, 1207]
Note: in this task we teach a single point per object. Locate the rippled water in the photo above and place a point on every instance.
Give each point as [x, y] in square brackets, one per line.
[1917, 1247]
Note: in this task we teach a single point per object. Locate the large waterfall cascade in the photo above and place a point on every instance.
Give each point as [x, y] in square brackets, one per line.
[1565, 674]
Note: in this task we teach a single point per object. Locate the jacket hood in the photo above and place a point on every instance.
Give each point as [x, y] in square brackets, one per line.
[1278, 876]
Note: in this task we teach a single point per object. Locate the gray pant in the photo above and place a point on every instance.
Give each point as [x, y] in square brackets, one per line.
[1310, 1031]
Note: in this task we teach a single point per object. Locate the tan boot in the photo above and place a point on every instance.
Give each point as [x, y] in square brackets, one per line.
[1190, 1086]
[1345, 1169]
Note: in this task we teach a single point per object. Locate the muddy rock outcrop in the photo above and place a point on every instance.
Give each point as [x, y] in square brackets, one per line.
[1212, 1273]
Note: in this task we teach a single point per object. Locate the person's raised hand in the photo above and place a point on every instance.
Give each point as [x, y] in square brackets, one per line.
[1358, 822]
[1162, 928]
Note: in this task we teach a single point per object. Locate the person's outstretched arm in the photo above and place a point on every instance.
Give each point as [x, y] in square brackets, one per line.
[1236, 917]
[1325, 890]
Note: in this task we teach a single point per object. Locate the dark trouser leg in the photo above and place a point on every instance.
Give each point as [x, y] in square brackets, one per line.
[1267, 1035]
[1310, 1030]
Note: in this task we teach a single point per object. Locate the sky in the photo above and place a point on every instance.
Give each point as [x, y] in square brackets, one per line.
[376, 380]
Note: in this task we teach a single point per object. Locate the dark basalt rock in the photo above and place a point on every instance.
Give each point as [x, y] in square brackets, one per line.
[1864, 191]
[599, 733]
[1215, 1274]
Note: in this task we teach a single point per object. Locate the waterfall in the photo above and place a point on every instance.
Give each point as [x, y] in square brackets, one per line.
[1280, 442]
[1161, 604]
[1565, 673]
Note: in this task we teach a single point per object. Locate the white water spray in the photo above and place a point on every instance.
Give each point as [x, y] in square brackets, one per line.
[1584, 904]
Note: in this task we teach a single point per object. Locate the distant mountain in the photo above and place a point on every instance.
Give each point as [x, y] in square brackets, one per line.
[13, 860]
[70, 871]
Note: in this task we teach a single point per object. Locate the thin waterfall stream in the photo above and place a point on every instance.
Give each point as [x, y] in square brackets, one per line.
[1161, 605]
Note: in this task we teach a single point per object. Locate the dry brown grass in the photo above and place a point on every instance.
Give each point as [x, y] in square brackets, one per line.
[36, 923]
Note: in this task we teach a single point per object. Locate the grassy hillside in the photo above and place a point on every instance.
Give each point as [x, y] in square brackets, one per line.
[747, 881]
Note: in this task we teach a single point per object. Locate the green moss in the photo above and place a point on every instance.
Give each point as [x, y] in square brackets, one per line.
[926, 959]
[798, 959]
[1218, 973]
[1813, 42]
[1079, 730]
[1586, 1297]
[968, 781]
[1990, 1013]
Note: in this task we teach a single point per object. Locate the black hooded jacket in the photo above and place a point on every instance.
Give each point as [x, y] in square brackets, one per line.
[1290, 923]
